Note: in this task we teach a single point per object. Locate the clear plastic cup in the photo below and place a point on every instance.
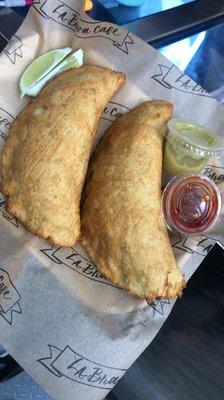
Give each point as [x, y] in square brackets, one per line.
[191, 204]
[188, 147]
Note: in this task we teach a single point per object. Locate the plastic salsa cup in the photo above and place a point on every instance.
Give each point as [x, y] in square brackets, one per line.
[188, 147]
[191, 204]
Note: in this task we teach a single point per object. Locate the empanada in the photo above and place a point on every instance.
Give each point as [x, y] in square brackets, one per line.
[45, 157]
[123, 230]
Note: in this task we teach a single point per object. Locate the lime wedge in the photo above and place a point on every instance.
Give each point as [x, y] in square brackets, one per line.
[40, 67]
[74, 60]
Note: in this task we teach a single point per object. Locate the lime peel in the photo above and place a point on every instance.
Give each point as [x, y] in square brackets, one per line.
[74, 60]
[40, 67]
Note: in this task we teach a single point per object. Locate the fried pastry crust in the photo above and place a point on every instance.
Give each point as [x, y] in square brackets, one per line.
[45, 157]
[123, 229]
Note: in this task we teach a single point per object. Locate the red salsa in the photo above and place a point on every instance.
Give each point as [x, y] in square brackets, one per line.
[191, 204]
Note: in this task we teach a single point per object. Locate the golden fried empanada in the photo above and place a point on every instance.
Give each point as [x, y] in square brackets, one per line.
[123, 230]
[45, 157]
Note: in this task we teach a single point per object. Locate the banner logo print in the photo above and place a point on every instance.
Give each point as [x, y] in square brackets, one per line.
[13, 220]
[73, 260]
[5, 121]
[214, 172]
[158, 306]
[14, 49]
[69, 364]
[113, 111]
[64, 15]
[170, 77]
[188, 244]
[9, 297]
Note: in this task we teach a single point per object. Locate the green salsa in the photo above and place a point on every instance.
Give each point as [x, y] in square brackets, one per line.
[188, 147]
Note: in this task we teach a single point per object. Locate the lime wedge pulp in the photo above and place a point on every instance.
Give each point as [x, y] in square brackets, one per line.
[74, 60]
[40, 67]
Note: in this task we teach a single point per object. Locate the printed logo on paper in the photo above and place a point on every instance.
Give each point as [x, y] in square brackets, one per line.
[189, 245]
[214, 172]
[170, 77]
[5, 214]
[64, 15]
[5, 122]
[9, 298]
[69, 364]
[13, 49]
[158, 306]
[113, 111]
[70, 257]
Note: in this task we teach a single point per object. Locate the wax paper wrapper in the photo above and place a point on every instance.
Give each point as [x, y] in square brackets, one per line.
[72, 330]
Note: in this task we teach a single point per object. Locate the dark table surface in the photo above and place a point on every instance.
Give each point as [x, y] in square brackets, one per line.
[186, 359]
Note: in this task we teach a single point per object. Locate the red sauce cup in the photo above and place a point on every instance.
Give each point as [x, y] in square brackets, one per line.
[191, 205]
